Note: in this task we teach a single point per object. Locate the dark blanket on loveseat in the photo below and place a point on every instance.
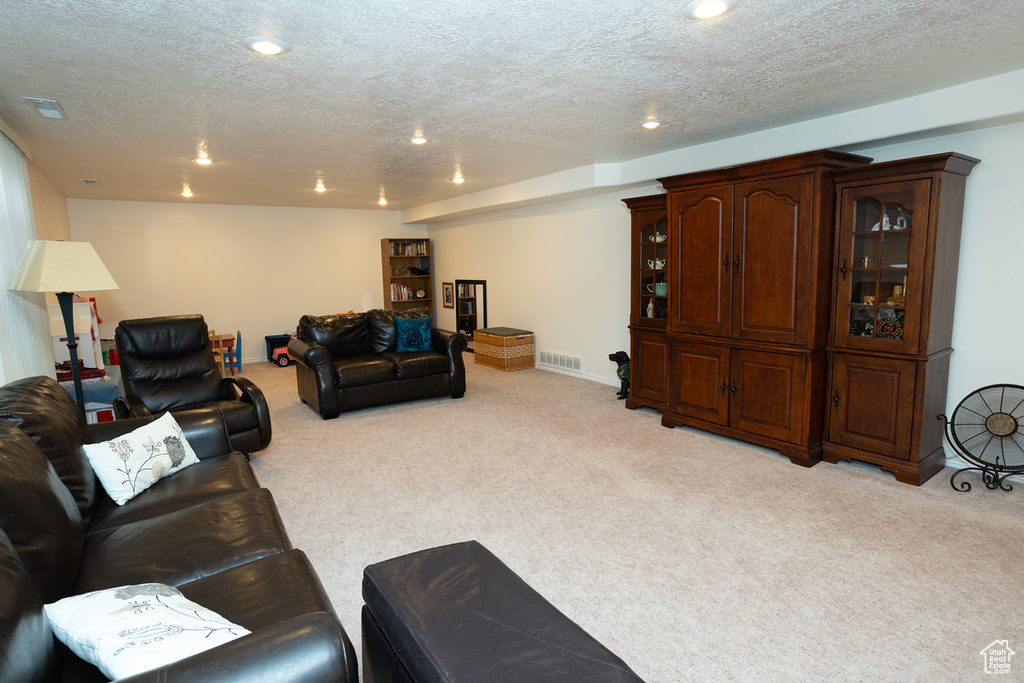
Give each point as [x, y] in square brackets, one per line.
[208, 530]
[353, 361]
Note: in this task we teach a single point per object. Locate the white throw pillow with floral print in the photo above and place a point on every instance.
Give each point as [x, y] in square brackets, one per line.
[130, 464]
[127, 630]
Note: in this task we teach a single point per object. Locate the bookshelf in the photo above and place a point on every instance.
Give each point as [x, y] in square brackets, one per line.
[405, 266]
[466, 308]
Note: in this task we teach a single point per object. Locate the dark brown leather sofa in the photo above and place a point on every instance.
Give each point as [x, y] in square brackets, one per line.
[167, 365]
[208, 530]
[348, 362]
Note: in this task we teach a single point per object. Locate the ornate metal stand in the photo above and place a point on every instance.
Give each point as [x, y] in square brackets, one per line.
[989, 476]
[986, 430]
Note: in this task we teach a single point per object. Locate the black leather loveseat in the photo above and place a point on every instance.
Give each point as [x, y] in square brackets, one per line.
[348, 362]
[207, 530]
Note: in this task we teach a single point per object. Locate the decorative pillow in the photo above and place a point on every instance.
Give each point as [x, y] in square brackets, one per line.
[127, 630]
[130, 464]
[413, 334]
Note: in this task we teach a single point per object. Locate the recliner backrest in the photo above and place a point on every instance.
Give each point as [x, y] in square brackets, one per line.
[44, 410]
[27, 651]
[39, 514]
[167, 361]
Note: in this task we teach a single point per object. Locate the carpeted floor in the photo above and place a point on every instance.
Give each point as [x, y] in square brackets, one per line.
[692, 557]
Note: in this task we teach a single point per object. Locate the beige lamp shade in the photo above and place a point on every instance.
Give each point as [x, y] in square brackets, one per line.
[61, 267]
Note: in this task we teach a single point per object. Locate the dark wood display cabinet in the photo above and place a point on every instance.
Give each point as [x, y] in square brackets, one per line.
[649, 303]
[898, 226]
[749, 286]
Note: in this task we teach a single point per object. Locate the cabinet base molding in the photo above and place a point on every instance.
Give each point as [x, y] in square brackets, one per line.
[805, 456]
[634, 403]
[914, 473]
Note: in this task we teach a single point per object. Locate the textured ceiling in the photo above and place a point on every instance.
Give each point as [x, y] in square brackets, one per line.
[514, 89]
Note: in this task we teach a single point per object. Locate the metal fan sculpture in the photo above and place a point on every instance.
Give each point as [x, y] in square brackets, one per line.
[986, 429]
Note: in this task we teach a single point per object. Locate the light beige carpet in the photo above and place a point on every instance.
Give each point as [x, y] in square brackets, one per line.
[692, 557]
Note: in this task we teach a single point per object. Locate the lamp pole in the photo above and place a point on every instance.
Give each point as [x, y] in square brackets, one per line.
[67, 310]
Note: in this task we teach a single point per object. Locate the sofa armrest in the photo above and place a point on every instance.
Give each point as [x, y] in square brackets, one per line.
[308, 648]
[314, 374]
[204, 430]
[252, 394]
[130, 406]
[452, 344]
[310, 355]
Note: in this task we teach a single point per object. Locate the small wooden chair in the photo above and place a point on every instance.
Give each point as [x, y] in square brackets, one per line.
[218, 348]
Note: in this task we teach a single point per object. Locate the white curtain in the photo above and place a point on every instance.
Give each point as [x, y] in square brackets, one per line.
[25, 345]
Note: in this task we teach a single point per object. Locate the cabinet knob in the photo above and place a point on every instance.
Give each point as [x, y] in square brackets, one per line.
[835, 399]
[722, 387]
[843, 269]
[726, 263]
[733, 387]
[736, 263]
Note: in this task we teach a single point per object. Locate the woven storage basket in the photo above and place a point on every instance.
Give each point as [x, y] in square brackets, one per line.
[504, 348]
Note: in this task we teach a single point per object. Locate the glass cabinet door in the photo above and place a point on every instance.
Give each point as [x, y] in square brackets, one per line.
[879, 295]
[653, 269]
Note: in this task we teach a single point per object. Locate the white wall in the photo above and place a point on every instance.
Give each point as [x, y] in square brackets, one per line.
[560, 270]
[244, 268]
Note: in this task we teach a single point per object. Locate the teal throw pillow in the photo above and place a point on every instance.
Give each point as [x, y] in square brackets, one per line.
[413, 334]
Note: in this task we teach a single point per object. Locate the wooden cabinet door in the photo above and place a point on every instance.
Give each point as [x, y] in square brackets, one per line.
[872, 404]
[881, 278]
[767, 393]
[701, 373]
[701, 262]
[649, 367]
[771, 260]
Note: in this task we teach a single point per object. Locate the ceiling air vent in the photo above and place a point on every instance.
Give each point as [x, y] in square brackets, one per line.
[49, 109]
[90, 182]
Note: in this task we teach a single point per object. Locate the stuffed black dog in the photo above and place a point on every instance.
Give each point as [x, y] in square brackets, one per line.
[621, 358]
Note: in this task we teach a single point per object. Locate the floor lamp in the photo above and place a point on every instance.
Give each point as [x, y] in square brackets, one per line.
[63, 268]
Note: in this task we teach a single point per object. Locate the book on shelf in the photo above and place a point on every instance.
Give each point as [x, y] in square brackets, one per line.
[413, 248]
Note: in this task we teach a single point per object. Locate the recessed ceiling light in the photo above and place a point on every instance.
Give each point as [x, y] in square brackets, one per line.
[266, 46]
[418, 140]
[708, 9]
[186, 191]
[320, 185]
[651, 124]
[203, 158]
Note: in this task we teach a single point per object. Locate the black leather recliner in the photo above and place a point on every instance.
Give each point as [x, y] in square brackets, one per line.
[167, 365]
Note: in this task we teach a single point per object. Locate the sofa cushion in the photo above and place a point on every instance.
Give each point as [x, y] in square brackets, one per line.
[342, 335]
[26, 644]
[132, 462]
[44, 410]
[362, 370]
[206, 480]
[417, 364]
[131, 629]
[382, 330]
[262, 592]
[38, 514]
[413, 334]
[184, 545]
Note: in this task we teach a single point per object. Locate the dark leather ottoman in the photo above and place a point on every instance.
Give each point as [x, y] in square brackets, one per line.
[457, 614]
